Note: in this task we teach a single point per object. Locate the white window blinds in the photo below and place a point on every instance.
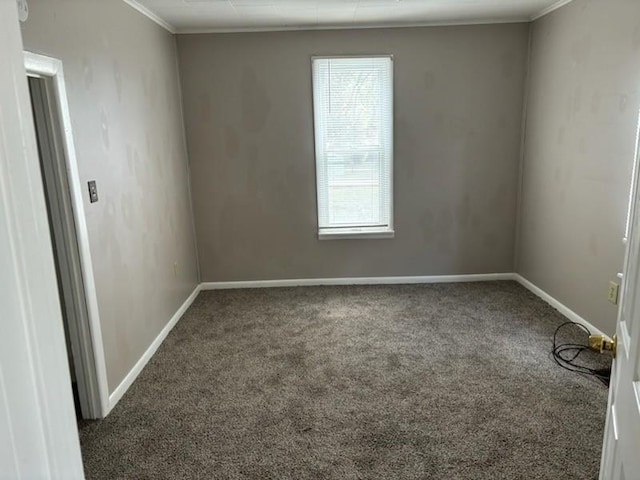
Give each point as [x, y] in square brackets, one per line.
[353, 109]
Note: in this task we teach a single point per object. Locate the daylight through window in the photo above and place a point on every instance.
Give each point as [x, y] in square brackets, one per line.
[353, 105]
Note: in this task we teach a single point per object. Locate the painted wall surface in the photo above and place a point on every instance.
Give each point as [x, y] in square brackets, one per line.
[580, 142]
[458, 115]
[124, 99]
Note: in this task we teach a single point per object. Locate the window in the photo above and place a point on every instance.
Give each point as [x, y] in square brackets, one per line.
[353, 109]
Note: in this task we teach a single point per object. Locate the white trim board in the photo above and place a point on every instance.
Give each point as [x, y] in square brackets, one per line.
[562, 308]
[121, 389]
[185, 31]
[38, 428]
[190, 31]
[549, 9]
[307, 282]
[150, 15]
[95, 367]
[488, 277]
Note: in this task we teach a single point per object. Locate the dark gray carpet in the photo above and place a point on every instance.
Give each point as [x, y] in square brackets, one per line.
[383, 382]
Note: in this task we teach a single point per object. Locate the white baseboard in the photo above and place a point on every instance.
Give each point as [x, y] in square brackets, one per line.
[137, 368]
[307, 282]
[117, 394]
[561, 307]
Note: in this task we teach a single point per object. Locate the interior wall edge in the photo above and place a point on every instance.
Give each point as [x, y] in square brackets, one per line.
[523, 151]
[128, 380]
[557, 304]
[187, 156]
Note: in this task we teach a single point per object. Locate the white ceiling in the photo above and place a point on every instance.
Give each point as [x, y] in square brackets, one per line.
[246, 15]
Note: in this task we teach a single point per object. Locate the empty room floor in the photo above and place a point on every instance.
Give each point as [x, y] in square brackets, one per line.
[446, 381]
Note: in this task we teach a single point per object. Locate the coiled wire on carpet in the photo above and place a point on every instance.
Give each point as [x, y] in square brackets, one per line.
[566, 355]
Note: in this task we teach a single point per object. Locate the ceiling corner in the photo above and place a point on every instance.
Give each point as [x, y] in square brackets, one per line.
[150, 15]
[549, 9]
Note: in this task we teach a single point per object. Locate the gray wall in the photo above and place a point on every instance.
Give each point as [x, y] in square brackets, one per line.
[124, 98]
[580, 139]
[458, 112]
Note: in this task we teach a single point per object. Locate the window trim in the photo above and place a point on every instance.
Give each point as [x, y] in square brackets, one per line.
[357, 233]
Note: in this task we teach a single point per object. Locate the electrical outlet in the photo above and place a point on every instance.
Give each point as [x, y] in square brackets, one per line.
[175, 269]
[612, 294]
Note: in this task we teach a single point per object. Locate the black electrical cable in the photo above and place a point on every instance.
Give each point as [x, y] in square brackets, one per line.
[566, 354]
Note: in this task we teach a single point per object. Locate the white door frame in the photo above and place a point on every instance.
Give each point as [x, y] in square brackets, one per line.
[87, 335]
[38, 430]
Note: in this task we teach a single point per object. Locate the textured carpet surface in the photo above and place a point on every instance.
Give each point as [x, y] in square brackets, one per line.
[378, 382]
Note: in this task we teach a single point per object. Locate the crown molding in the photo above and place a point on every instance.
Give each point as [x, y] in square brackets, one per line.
[549, 9]
[493, 21]
[187, 31]
[150, 15]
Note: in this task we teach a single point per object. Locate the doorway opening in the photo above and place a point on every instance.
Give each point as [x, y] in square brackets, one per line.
[68, 233]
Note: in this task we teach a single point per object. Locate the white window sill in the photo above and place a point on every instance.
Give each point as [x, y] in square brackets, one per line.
[354, 233]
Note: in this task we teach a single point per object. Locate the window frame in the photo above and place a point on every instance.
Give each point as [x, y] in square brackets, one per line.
[355, 232]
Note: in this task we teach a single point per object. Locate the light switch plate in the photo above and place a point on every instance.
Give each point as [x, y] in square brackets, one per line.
[93, 191]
